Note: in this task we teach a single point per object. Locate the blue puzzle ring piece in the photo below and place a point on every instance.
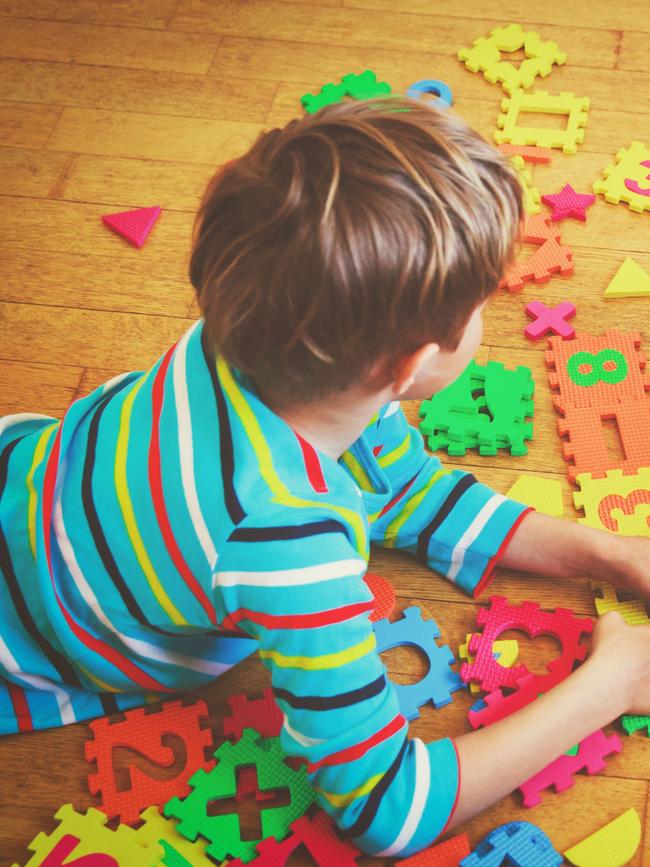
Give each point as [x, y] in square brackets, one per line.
[439, 681]
[521, 843]
[430, 85]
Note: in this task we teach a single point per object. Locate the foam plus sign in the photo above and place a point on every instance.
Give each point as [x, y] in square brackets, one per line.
[550, 319]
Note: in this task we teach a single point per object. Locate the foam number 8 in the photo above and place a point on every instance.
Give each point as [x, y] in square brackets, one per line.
[616, 369]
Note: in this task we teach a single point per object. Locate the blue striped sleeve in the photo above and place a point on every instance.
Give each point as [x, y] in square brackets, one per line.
[446, 518]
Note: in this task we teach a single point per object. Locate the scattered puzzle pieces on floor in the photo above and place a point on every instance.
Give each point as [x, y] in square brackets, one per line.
[520, 844]
[431, 86]
[618, 503]
[531, 193]
[362, 86]
[550, 258]
[85, 836]
[627, 180]
[505, 652]
[544, 495]
[178, 851]
[633, 611]
[446, 854]
[632, 723]
[223, 831]
[259, 712]
[550, 319]
[568, 203]
[613, 845]
[630, 281]
[384, 596]
[439, 681]
[530, 153]
[542, 102]
[134, 226]
[143, 732]
[485, 57]
[591, 754]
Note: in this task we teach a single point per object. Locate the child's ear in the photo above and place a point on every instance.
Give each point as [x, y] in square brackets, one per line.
[409, 367]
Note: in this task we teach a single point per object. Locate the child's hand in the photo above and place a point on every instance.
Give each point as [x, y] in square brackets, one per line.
[623, 652]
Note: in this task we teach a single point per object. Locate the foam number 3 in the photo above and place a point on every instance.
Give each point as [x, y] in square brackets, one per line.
[616, 369]
[633, 185]
[57, 857]
[627, 505]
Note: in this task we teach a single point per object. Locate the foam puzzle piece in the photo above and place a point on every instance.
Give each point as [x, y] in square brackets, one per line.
[485, 56]
[529, 153]
[590, 757]
[85, 837]
[520, 844]
[630, 281]
[544, 495]
[531, 193]
[613, 845]
[597, 370]
[143, 731]
[223, 831]
[542, 102]
[550, 258]
[134, 226]
[439, 681]
[446, 854]
[432, 86]
[550, 319]
[317, 835]
[633, 611]
[505, 652]
[527, 617]
[384, 596]
[177, 850]
[568, 203]
[627, 179]
[618, 503]
[632, 724]
[256, 712]
[361, 86]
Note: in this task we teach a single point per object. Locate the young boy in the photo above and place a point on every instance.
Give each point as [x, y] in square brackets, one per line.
[226, 499]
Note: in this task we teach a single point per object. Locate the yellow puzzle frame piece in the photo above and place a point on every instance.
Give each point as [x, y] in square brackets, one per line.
[575, 107]
[156, 829]
[625, 513]
[633, 611]
[621, 179]
[532, 196]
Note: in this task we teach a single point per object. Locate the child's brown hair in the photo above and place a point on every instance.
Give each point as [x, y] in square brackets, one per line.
[348, 238]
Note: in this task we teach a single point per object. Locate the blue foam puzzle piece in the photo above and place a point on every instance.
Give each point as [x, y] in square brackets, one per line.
[429, 85]
[439, 681]
[521, 843]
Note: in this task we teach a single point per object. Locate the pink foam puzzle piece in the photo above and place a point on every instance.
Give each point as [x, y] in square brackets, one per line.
[135, 226]
[550, 319]
[568, 203]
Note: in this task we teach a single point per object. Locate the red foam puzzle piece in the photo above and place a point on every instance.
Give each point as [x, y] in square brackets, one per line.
[142, 732]
[447, 854]
[550, 319]
[551, 257]
[260, 713]
[568, 203]
[384, 596]
[135, 226]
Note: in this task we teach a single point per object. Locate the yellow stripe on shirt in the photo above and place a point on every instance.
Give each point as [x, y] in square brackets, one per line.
[343, 800]
[326, 660]
[392, 530]
[394, 455]
[32, 502]
[358, 473]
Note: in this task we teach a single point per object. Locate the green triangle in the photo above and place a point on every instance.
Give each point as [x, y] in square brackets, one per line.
[630, 281]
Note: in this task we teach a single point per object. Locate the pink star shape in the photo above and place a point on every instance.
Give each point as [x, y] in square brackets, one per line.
[568, 203]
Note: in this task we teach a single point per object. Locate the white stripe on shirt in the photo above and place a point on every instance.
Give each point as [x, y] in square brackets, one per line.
[292, 577]
[420, 795]
[472, 533]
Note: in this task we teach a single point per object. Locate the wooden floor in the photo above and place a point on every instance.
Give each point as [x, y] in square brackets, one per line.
[113, 105]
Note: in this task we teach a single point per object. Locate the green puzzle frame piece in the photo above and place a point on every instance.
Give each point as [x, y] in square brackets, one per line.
[362, 86]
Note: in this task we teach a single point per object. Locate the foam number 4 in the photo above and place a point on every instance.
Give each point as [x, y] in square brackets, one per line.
[634, 186]
[616, 369]
[57, 857]
[627, 505]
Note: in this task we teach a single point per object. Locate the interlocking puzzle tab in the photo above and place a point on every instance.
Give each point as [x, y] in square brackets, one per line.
[223, 831]
[552, 257]
[632, 723]
[362, 86]
[544, 495]
[590, 757]
[485, 57]
[260, 713]
[439, 681]
[629, 179]
[487, 406]
[633, 611]
[541, 102]
[520, 844]
[178, 851]
[568, 203]
[630, 281]
[613, 845]
[550, 319]
[85, 836]
[143, 732]
[446, 854]
[531, 193]
[618, 503]
[134, 226]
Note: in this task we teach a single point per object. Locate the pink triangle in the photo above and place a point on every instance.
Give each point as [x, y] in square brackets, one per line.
[133, 225]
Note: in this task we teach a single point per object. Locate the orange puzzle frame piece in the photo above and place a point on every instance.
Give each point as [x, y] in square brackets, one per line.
[551, 258]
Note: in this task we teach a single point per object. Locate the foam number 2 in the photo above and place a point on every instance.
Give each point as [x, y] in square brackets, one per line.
[633, 185]
[57, 857]
[615, 371]
[627, 505]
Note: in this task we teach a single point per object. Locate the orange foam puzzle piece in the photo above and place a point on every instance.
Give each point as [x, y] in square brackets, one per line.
[530, 153]
[552, 257]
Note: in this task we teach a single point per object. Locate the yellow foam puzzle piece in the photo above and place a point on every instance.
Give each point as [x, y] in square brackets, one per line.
[633, 611]
[158, 829]
[542, 102]
[613, 845]
[508, 650]
[628, 180]
[630, 281]
[542, 494]
[618, 503]
[532, 197]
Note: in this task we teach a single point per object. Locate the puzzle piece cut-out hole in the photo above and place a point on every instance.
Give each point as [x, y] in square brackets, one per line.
[125, 759]
[535, 653]
[406, 663]
[248, 807]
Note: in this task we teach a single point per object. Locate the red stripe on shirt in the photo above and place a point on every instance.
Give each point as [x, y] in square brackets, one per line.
[312, 465]
[397, 498]
[359, 750]
[298, 621]
[21, 708]
[155, 480]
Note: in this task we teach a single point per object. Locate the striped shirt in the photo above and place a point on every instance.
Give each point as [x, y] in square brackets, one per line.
[172, 524]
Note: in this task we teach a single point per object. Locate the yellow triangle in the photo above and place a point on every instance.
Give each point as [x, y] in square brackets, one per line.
[630, 281]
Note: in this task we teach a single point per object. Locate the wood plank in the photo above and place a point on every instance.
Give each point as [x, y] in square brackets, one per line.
[27, 386]
[154, 14]
[26, 126]
[634, 50]
[106, 46]
[137, 90]
[27, 172]
[149, 136]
